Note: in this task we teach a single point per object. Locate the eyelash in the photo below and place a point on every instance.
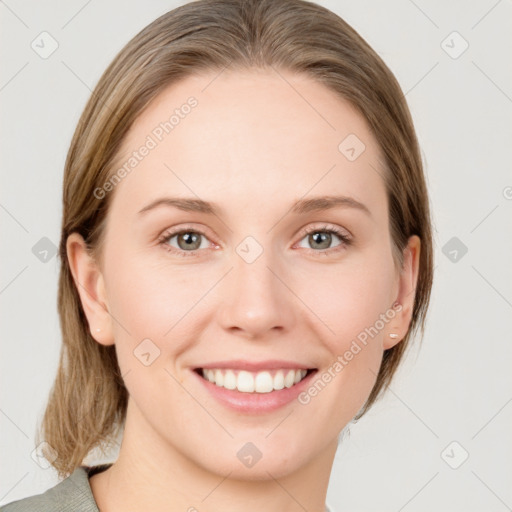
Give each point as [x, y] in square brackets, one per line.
[345, 240]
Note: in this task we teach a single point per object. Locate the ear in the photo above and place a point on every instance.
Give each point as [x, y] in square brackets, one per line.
[90, 285]
[407, 280]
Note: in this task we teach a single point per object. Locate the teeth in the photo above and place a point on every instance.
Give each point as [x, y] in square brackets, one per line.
[249, 382]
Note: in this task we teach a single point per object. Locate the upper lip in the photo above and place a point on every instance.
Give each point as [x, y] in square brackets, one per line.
[240, 364]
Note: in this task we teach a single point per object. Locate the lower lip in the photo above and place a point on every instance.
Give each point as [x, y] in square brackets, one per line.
[255, 402]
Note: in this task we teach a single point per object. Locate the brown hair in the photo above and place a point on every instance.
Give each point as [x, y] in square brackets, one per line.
[87, 403]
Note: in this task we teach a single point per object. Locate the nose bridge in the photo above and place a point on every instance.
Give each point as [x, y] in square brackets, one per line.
[257, 299]
[252, 265]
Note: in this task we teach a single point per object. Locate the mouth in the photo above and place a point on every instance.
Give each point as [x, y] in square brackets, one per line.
[265, 381]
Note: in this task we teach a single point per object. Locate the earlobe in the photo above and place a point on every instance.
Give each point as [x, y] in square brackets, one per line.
[90, 285]
[408, 278]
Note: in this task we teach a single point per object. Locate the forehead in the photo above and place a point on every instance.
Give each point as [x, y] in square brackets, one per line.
[253, 135]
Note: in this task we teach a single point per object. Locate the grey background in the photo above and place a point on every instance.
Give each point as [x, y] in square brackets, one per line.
[456, 387]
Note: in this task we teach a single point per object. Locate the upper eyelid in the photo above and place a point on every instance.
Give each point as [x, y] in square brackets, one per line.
[325, 227]
[170, 233]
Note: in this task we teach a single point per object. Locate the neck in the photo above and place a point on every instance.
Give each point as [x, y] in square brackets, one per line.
[155, 475]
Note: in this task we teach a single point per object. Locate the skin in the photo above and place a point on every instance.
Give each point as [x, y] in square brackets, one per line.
[253, 146]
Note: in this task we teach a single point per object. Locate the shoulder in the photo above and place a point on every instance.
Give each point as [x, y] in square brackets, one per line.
[71, 494]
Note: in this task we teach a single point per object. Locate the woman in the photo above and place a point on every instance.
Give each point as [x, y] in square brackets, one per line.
[246, 252]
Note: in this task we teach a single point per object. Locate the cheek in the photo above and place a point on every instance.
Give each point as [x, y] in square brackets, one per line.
[150, 299]
[353, 306]
[153, 309]
[351, 299]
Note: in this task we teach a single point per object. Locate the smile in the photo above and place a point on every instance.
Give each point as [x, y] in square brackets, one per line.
[244, 381]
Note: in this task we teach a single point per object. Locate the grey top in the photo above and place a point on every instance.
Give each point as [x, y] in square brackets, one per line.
[71, 494]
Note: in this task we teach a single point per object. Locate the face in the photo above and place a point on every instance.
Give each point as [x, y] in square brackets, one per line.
[219, 254]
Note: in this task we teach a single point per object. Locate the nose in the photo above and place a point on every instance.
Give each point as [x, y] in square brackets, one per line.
[258, 298]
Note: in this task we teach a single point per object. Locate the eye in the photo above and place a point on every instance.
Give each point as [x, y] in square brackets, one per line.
[184, 242]
[187, 242]
[321, 238]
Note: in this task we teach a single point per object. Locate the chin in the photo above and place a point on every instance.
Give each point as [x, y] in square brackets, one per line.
[255, 462]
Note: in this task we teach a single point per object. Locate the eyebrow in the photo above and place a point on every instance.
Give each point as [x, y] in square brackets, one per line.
[300, 207]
